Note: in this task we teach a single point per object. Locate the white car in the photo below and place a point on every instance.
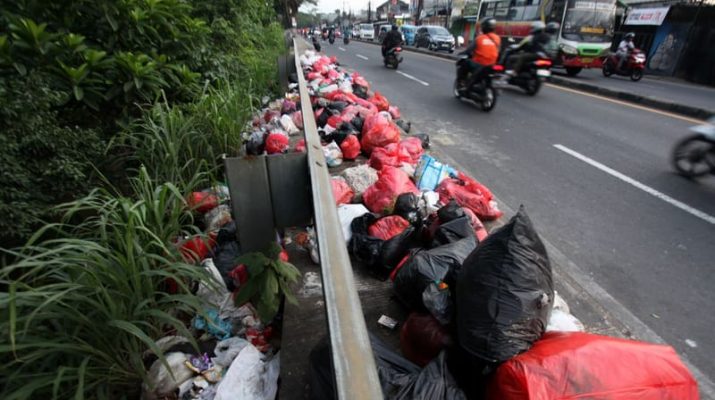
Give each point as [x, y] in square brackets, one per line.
[367, 32]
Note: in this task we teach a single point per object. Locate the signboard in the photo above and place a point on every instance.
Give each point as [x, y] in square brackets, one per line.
[647, 16]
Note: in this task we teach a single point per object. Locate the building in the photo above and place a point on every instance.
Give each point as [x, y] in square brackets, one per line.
[391, 9]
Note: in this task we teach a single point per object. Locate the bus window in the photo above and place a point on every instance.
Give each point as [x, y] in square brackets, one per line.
[554, 10]
[589, 21]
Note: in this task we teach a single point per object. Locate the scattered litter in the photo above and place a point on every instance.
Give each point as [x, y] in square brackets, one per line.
[387, 322]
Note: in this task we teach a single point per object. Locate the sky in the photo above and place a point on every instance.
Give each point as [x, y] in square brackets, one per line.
[327, 6]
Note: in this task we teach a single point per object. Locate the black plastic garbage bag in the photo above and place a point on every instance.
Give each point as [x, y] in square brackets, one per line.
[364, 247]
[396, 248]
[360, 91]
[427, 266]
[358, 122]
[226, 252]
[452, 231]
[407, 207]
[450, 211]
[399, 378]
[322, 119]
[504, 293]
[338, 106]
[424, 138]
[404, 125]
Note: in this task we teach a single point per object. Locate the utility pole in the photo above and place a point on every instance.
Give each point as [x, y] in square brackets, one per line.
[369, 11]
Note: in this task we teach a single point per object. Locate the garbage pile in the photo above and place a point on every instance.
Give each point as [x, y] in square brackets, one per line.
[239, 356]
[484, 312]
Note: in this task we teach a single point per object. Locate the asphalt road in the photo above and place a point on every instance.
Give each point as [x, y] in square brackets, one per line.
[654, 87]
[605, 197]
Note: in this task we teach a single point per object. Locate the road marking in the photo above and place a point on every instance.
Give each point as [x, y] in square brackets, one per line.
[705, 217]
[361, 56]
[625, 103]
[341, 49]
[408, 76]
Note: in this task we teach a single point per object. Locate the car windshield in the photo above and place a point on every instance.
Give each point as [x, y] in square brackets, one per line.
[589, 21]
[365, 26]
[438, 31]
[408, 29]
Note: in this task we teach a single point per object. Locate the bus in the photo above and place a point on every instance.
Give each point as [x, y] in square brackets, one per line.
[586, 26]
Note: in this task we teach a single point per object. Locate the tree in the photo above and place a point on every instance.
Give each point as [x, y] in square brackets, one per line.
[289, 8]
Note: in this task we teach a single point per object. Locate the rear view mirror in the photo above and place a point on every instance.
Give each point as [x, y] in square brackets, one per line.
[460, 40]
[511, 40]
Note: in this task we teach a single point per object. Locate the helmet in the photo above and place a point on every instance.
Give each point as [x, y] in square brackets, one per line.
[537, 27]
[488, 24]
[394, 27]
[630, 36]
[552, 27]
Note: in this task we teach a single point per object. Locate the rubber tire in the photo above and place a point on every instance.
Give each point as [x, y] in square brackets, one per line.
[636, 75]
[607, 71]
[432, 47]
[573, 71]
[451, 51]
[679, 147]
[489, 106]
[454, 89]
[533, 90]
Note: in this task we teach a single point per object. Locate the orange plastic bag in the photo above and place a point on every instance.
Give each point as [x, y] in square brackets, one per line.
[578, 365]
[392, 182]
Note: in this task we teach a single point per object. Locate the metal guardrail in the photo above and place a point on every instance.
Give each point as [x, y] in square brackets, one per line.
[355, 371]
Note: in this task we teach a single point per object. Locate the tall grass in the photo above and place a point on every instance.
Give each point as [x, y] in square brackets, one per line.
[80, 310]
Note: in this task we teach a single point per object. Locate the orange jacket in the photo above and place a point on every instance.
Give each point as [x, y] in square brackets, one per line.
[487, 49]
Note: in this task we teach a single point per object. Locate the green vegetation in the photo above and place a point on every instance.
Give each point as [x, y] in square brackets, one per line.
[75, 74]
[115, 109]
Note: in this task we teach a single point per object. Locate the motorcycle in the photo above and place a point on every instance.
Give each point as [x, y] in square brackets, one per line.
[393, 57]
[481, 92]
[694, 156]
[331, 39]
[633, 66]
[531, 75]
[346, 39]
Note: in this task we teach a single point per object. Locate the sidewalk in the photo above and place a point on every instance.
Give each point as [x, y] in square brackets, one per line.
[670, 95]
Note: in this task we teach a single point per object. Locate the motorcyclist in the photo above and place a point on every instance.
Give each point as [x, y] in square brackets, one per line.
[483, 52]
[392, 39]
[331, 33]
[624, 48]
[552, 47]
[537, 42]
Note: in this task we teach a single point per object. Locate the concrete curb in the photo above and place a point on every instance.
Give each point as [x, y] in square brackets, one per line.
[659, 104]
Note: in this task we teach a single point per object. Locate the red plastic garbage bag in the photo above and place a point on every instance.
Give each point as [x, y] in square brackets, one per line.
[300, 146]
[197, 248]
[313, 76]
[333, 59]
[470, 194]
[479, 230]
[388, 227]
[276, 143]
[203, 202]
[360, 81]
[422, 338]
[271, 115]
[392, 182]
[341, 191]
[380, 102]
[395, 112]
[350, 147]
[414, 146]
[298, 119]
[377, 131]
[334, 121]
[337, 96]
[392, 155]
[578, 365]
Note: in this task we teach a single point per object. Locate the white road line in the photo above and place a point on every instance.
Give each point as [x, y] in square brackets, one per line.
[361, 56]
[408, 76]
[341, 49]
[705, 217]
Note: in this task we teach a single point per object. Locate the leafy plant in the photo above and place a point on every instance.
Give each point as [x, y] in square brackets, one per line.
[269, 279]
[80, 310]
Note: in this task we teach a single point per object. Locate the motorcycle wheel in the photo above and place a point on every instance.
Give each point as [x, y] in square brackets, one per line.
[690, 156]
[636, 75]
[455, 89]
[532, 86]
[573, 71]
[607, 71]
[490, 99]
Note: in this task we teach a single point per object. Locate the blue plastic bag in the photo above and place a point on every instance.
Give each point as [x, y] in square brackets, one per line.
[430, 173]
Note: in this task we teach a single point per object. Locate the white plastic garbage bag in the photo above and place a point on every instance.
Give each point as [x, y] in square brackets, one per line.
[288, 125]
[227, 350]
[161, 381]
[333, 154]
[346, 214]
[250, 377]
[564, 322]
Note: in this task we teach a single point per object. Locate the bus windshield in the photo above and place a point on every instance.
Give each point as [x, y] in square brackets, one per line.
[589, 21]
